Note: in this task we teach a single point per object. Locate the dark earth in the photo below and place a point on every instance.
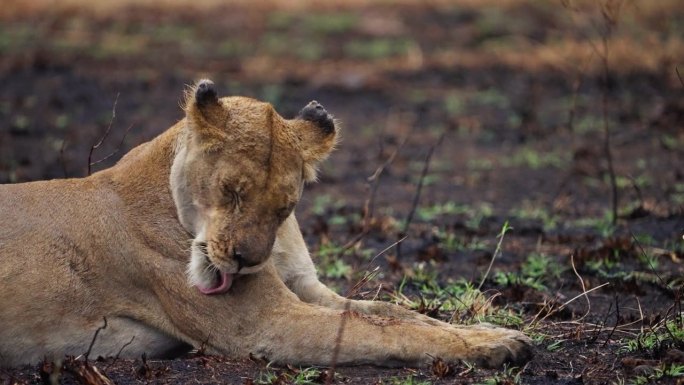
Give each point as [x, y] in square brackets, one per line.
[474, 117]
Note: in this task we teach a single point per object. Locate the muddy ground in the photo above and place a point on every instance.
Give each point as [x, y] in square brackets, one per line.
[485, 115]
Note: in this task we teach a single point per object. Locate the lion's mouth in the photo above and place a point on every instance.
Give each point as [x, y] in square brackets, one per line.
[222, 282]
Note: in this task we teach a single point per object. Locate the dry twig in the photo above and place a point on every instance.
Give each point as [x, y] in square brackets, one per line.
[106, 134]
[419, 189]
[373, 182]
[92, 342]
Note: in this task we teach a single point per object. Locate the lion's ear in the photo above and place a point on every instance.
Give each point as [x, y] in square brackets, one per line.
[319, 136]
[204, 111]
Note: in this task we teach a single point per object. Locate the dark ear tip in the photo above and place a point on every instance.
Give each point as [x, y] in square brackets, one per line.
[314, 112]
[206, 93]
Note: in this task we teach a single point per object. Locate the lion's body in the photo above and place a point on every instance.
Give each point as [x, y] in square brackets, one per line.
[116, 245]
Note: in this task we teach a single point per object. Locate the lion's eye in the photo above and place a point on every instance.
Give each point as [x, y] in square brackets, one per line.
[230, 195]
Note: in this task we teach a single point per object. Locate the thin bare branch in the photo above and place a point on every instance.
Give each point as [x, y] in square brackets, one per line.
[373, 182]
[497, 251]
[119, 353]
[92, 342]
[116, 150]
[106, 134]
[584, 288]
[419, 189]
[61, 158]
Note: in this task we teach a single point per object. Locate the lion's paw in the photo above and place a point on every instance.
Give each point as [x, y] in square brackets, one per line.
[492, 347]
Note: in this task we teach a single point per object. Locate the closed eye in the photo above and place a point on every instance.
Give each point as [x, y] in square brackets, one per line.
[231, 196]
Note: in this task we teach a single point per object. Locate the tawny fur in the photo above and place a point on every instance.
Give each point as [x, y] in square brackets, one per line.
[121, 244]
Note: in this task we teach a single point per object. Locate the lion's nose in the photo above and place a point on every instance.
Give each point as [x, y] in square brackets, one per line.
[314, 112]
[241, 261]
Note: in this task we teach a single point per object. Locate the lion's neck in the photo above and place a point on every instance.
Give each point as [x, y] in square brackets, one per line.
[141, 179]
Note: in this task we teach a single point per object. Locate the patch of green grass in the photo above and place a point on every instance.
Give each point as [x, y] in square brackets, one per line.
[508, 376]
[664, 371]
[317, 23]
[538, 271]
[670, 142]
[324, 203]
[408, 380]
[585, 124]
[534, 212]
[62, 121]
[603, 225]
[330, 264]
[464, 302]
[555, 346]
[454, 104]
[330, 23]
[535, 159]
[232, 48]
[451, 242]
[474, 214]
[480, 164]
[376, 48]
[641, 181]
[17, 36]
[667, 334]
[491, 97]
[300, 376]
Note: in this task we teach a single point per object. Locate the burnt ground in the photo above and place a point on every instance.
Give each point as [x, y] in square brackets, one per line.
[513, 98]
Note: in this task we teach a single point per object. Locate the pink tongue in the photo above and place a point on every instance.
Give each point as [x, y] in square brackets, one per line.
[222, 286]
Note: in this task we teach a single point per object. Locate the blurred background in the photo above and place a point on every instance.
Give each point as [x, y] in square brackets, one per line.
[483, 111]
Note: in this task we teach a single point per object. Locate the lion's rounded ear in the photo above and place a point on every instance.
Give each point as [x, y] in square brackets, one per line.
[205, 93]
[206, 116]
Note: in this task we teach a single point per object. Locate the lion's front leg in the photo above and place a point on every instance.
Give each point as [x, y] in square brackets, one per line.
[262, 317]
[295, 267]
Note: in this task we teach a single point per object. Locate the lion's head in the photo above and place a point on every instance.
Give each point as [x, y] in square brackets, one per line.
[237, 174]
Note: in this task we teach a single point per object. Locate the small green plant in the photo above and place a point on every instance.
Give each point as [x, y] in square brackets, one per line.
[408, 380]
[330, 263]
[323, 203]
[508, 376]
[534, 212]
[555, 346]
[377, 48]
[667, 334]
[300, 376]
[534, 159]
[603, 225]
[306, 376]
[665, 371]
[536, 272]
[452, 242]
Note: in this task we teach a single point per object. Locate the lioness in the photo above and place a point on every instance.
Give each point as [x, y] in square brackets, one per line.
[209, 201]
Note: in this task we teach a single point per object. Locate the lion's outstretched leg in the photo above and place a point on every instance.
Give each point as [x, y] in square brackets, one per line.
[260, 316]
[295, 267]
